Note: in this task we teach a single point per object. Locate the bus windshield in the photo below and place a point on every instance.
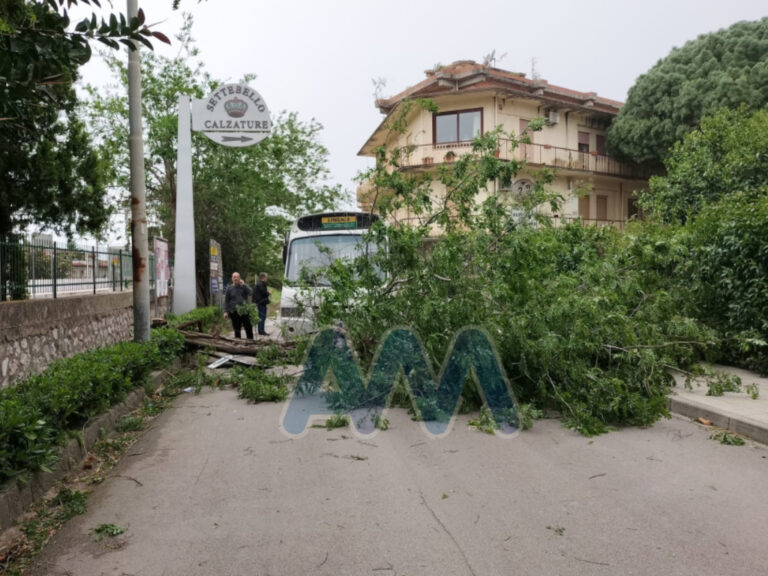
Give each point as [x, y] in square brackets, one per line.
[315, 252]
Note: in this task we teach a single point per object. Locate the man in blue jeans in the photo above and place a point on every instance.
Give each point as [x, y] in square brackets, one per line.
[261, 299]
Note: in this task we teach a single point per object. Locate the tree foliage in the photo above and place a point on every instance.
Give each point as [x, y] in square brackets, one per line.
[728, 154]
[715, 193]
[49, 173]
[243, 197]
[728, 272]
[586, 320]
[727, 68]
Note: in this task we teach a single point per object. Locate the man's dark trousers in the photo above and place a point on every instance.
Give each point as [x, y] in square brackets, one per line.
[243, 320]
[262, 318]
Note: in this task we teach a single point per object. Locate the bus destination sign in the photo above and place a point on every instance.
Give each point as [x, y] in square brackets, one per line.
[338, 223]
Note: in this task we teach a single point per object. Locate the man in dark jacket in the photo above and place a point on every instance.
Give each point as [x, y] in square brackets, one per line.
[261, 299]
[238, 293]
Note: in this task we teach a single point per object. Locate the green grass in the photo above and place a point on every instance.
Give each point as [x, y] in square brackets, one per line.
[72, 502]
[130, 423]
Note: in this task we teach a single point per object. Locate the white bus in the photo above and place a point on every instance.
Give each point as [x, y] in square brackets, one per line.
[314, 242]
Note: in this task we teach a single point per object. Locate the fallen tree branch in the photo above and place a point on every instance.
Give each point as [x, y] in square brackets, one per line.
[232, 345]
[198, 323]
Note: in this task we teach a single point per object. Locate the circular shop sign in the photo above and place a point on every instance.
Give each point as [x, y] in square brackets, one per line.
[232, 115]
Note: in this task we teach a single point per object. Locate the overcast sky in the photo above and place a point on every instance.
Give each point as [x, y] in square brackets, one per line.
[318, 58]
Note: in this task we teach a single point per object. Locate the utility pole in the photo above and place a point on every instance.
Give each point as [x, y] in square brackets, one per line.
[139, 242]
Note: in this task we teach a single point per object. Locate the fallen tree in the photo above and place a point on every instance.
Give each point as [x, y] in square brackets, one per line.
[233, 345]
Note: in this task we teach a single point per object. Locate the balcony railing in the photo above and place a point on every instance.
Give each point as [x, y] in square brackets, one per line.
[425, 155]
[593, 222]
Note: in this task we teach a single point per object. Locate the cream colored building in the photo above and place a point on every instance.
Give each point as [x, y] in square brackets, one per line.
[474, 98]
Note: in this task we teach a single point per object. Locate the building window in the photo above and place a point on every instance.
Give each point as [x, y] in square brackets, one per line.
[584, 142]
[459, 126]
[602, 207]
[583, 161]
[584, 207]
[600, 144]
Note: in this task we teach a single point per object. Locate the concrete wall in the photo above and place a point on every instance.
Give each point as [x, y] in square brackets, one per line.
[34, 333]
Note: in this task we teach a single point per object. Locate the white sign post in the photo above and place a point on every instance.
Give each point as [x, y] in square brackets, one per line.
[233, 115]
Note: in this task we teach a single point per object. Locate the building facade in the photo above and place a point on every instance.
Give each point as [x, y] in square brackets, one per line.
[474, 98]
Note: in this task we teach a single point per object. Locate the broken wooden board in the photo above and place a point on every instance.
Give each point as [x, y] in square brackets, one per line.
[221, 361]
[225, 359]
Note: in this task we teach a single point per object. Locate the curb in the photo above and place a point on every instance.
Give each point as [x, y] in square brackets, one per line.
[15, 500]
[731, 421]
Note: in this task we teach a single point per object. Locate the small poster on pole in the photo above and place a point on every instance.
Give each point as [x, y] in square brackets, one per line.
[162, 267]
[217, 273]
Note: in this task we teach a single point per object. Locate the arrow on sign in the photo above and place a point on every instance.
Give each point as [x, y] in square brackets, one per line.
[235, 139]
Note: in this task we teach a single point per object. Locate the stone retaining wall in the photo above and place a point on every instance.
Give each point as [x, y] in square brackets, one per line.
[34, 333]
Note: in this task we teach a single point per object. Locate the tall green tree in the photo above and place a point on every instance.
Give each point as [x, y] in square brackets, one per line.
[244, 197]
[728, 154]
[49, 172]
[717, 188]
[728, 274]
[726, 68]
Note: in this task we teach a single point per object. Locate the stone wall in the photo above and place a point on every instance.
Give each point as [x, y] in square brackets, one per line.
[160, 307]
[34, 333]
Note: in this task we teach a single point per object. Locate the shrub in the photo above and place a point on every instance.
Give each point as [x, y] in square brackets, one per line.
[27, 441]
[38, 413]
[209, 318]
[729, 274]
[169, 342]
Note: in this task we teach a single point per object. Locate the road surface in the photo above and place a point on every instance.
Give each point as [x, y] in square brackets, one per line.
[214, 488]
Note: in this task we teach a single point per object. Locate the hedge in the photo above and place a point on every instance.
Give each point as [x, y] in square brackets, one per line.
[40, 413]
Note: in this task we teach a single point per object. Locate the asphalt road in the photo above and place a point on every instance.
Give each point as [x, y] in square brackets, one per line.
[214, 488]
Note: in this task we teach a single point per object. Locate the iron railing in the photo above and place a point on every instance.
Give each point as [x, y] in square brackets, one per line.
[424, 155]
[41, 269]
[594, 221]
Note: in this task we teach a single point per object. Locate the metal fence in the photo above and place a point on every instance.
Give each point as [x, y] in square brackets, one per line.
[40, 269]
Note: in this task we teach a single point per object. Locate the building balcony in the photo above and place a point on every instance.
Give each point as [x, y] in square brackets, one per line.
[599, 222]
[541, 155]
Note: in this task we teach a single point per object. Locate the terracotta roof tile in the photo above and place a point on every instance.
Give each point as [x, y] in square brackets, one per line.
[497, 78]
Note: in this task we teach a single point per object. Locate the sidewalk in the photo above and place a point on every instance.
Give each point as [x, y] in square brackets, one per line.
[734, 411]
